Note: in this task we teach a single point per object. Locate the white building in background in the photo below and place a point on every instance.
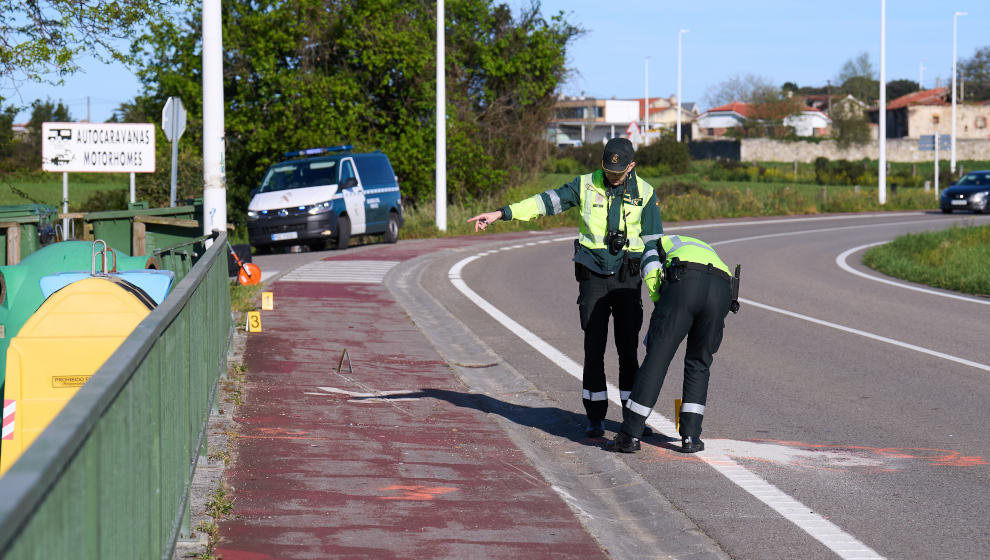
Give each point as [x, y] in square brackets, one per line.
[583, 120]
[810, 122]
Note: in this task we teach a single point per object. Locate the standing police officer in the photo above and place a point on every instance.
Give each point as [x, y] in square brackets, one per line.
[619, 216]
[698, 293]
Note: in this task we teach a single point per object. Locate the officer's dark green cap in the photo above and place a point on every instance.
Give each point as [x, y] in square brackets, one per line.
[618, 154]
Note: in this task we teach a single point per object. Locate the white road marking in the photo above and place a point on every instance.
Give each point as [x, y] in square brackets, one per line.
[341, 271]
[717, 455]
[865, 334]
[841, 261]
[366, 397]
[843, 544]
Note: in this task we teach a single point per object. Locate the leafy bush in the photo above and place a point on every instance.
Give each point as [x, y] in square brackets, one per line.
[666, 151]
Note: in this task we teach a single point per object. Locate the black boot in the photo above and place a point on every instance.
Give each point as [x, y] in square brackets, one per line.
[692, 444]
[623, 443]
[595, 428]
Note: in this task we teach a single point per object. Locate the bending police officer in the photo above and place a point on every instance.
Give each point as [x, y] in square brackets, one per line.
[697, 294]
[619, 216]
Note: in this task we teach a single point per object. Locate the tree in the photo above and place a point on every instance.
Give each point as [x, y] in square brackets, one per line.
[849, 122]
[327, 72]
[41, 40]
[857, 77]
[977, 72]
[768, 104]
[746, 88]
[7, 115]
[897, 88]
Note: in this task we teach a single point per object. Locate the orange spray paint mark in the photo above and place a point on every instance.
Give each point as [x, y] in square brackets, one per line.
[416, 492]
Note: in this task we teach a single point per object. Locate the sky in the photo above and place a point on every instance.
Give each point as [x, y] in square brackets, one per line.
[782, 40]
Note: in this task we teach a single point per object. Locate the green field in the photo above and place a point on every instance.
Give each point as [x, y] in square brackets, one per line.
[48, 188]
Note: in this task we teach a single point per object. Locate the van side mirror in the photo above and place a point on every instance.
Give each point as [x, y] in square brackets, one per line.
[350, 182]
[253, 192]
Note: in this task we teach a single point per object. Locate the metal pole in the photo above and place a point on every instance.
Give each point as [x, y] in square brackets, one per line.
[921, 75]
[441, 122]
[646, 106]
[132, 188]
[936, 165]
[680, 33]
[882, 108]
[952, 140]
[214, 176]
[175, 168]
[65, 205]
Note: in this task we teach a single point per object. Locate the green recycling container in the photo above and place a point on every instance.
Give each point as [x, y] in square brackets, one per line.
[117, 227]
[37, 225]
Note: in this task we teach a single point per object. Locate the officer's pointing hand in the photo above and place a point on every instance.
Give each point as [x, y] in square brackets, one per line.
[481, 221]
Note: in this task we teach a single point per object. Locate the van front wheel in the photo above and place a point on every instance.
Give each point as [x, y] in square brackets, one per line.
[392, 228]
[343, 233]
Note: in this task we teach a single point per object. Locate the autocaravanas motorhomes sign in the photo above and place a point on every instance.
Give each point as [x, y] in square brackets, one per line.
[98, 147]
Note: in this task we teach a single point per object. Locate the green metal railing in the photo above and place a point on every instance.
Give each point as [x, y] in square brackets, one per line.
[109, 477]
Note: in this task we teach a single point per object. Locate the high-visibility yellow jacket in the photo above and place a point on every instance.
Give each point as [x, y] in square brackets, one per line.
[632, 207]
[686, 249]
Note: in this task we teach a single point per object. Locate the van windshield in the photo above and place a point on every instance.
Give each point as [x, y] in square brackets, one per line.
[299, 174]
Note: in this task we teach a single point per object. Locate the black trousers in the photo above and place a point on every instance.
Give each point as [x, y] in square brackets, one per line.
[599, 298]
[694, 307]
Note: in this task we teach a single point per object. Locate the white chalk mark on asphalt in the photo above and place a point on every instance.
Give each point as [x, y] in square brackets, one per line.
[376, 396]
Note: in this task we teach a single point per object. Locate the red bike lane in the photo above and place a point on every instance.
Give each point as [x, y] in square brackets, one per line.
[372, 461]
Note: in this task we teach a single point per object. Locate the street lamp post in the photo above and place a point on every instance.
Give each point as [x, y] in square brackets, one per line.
[441, 137]
[882, 109]
[646, 94]
[952, 158]
[679, 35]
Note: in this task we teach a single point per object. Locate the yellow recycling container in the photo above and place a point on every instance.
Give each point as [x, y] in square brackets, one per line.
[58, 349]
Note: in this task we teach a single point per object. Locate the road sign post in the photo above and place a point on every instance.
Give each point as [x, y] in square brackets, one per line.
[934, 143]
[174, 124]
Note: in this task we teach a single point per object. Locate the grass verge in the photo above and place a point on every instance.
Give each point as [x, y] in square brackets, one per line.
[956, 259]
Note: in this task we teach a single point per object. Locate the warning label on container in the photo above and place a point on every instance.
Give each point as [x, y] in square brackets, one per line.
[59, 381]
[98, 147]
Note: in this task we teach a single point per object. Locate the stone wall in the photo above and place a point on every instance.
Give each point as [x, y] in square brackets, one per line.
[901, 149]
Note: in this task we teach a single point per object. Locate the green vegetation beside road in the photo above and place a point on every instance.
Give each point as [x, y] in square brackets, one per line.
[956, 259]
[682, 198]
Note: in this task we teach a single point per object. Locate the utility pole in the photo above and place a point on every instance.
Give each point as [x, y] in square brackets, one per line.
[921, 75]
[955, 20]
[882, 108]
[441, 139]
[214, 175]
[646, 107]
[680, 34]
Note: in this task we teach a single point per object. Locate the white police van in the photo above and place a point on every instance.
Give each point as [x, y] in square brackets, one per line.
[325, 195]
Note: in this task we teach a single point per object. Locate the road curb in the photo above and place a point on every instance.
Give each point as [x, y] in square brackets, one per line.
[618, 508]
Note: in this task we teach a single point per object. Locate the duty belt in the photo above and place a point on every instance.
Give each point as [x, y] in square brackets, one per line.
[709, 268]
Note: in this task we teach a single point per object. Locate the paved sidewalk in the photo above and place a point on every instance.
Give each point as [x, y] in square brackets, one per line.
[382, 461]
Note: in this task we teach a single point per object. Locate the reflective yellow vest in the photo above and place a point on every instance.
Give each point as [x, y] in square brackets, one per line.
[594, 212]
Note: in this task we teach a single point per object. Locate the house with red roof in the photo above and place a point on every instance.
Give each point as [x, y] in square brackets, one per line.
[929, 111]
[719, 120]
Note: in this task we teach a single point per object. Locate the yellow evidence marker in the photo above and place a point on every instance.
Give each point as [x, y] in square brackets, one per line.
[267, 301]
[254, 321]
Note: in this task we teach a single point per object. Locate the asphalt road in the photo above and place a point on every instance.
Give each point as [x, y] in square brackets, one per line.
[865, 405]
